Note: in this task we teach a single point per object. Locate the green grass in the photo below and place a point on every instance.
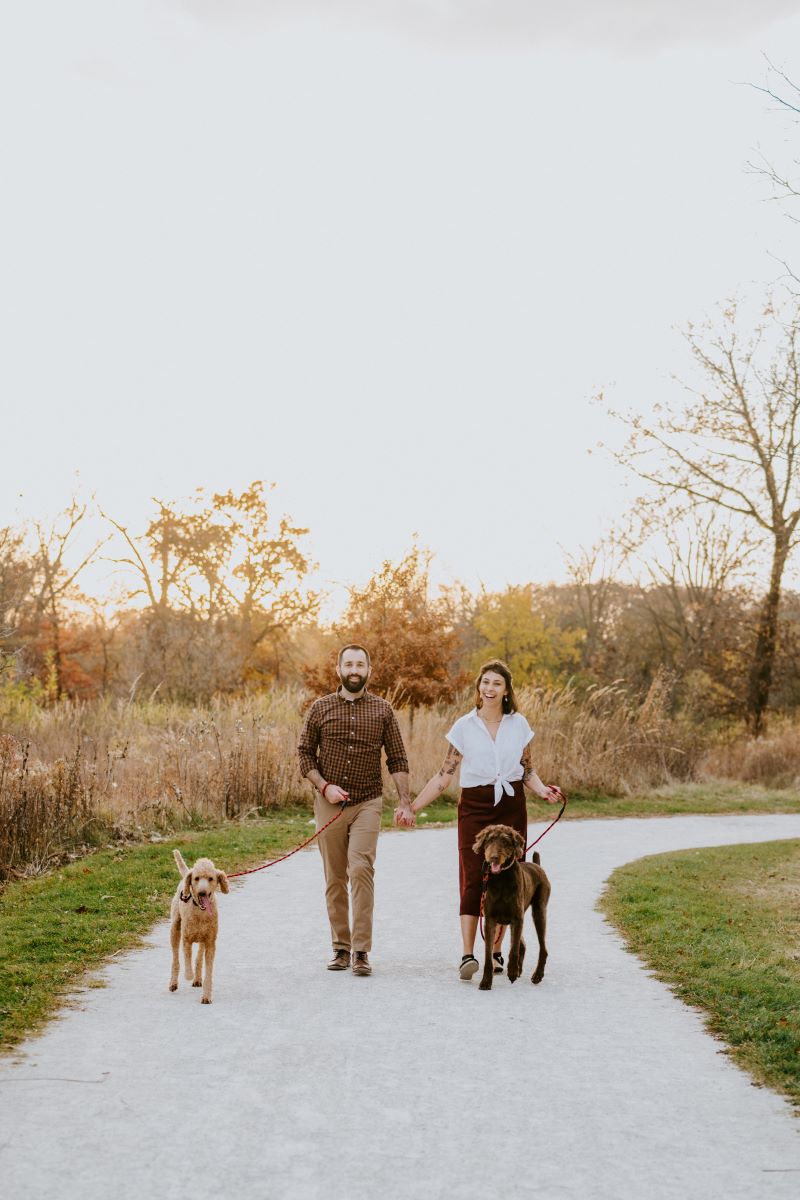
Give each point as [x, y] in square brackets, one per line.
[682, 800]
[722, 928]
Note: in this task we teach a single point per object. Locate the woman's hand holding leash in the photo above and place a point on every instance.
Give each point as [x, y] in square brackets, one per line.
[554, 795]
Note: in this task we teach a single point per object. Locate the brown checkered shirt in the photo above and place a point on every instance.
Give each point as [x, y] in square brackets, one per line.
[342, 739]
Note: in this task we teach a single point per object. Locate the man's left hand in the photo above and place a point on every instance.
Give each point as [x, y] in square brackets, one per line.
[405, 816]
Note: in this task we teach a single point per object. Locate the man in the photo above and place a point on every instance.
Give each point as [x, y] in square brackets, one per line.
[340, 753]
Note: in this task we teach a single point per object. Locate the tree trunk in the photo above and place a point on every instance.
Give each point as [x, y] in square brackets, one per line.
[766, 640]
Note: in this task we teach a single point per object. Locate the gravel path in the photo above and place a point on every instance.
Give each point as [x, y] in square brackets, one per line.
[298, 1082]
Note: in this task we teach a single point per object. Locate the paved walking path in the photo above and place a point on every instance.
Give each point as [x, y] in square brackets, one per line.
[302, 1083]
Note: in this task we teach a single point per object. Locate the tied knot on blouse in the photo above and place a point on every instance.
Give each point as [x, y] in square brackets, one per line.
[491, 761]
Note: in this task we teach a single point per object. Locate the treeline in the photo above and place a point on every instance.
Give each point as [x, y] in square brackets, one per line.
[215, 601]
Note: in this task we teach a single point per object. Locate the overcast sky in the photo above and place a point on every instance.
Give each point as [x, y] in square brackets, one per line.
[382, 254]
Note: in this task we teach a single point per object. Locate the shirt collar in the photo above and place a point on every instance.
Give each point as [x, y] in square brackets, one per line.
[356, 700]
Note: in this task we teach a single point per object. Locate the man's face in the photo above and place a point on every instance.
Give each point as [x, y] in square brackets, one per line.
[353, 670]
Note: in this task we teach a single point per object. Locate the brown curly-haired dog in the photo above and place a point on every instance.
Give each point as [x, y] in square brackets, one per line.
[511, 887]
[193, 918]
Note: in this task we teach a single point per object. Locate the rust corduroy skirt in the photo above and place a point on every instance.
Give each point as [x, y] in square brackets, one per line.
[476, 810]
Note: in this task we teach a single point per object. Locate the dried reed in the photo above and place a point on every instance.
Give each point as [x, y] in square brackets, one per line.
[77, 773]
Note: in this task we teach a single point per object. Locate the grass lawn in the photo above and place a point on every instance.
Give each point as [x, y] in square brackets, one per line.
[684, 799]
[722, 928]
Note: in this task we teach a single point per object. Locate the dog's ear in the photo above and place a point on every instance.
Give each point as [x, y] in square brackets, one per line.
[479, 840]
[519, 843]
[222, 880]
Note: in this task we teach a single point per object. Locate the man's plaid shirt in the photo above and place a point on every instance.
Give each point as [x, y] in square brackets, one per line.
[342, 739]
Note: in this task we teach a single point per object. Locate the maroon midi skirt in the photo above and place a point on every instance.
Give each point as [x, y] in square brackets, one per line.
[476, 810]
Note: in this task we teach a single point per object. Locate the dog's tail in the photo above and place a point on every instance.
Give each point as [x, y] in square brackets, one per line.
[535, 858]
[180, 864]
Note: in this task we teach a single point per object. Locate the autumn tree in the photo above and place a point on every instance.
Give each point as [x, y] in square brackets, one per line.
[409, 635]
[57, 565]
[595, 598]
[735, 446]
[512, 627]
[16, 583]
[220, 580]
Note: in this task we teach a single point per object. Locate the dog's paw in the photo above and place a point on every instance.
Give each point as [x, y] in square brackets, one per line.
[173, 987]
[485, 985]
[512, 975]
[205, 1000]
[537, 976]
[197, 983]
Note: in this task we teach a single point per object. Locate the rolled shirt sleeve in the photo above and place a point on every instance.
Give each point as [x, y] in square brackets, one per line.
[455, 735]
[396, 757]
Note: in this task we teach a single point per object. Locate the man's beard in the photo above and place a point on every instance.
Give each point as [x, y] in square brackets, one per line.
[348, 682]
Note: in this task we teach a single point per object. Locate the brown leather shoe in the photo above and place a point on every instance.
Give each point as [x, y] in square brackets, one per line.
[340, 960]
[361, 963]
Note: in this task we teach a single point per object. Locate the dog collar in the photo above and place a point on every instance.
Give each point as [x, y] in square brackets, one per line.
[189, 896]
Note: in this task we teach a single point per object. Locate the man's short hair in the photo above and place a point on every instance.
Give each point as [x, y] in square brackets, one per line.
[354, 646]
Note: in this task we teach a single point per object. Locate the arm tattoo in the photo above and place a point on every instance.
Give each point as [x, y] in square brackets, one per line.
[450, 764]
[527, 765]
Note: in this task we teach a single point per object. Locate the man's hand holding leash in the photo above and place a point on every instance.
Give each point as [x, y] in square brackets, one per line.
[334, 794]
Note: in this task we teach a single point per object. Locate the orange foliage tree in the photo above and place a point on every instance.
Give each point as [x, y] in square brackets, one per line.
[409, 635]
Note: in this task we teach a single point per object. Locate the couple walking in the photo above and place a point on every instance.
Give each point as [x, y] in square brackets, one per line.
[340, 754]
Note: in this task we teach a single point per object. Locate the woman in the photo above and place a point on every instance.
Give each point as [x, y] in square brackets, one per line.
[492, 744]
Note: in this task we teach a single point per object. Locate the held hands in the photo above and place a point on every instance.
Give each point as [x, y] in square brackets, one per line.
[404, 816]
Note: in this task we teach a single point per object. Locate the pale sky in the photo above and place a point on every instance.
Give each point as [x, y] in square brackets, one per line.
[381, 254]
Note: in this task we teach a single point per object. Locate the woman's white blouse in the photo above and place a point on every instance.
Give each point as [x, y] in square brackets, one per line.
[486, 761]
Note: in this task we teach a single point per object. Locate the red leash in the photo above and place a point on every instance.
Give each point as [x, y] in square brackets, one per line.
[552, 823]
[283, 857]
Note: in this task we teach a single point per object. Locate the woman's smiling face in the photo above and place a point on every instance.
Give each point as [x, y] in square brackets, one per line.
[492, 687]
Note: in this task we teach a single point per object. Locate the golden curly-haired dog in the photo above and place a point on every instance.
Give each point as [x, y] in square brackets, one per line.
[511, 887]
[193, 918]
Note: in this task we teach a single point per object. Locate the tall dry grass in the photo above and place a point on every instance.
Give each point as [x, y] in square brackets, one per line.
[773, 761]
[43, 809]
[80, 773]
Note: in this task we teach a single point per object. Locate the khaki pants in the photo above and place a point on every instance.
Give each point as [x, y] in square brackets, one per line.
[348, 851]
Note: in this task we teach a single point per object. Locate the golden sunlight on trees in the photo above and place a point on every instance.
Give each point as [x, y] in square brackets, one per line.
[222, 585]
[511, 627]
[215, 601]
[40, 600]
[409, 635]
